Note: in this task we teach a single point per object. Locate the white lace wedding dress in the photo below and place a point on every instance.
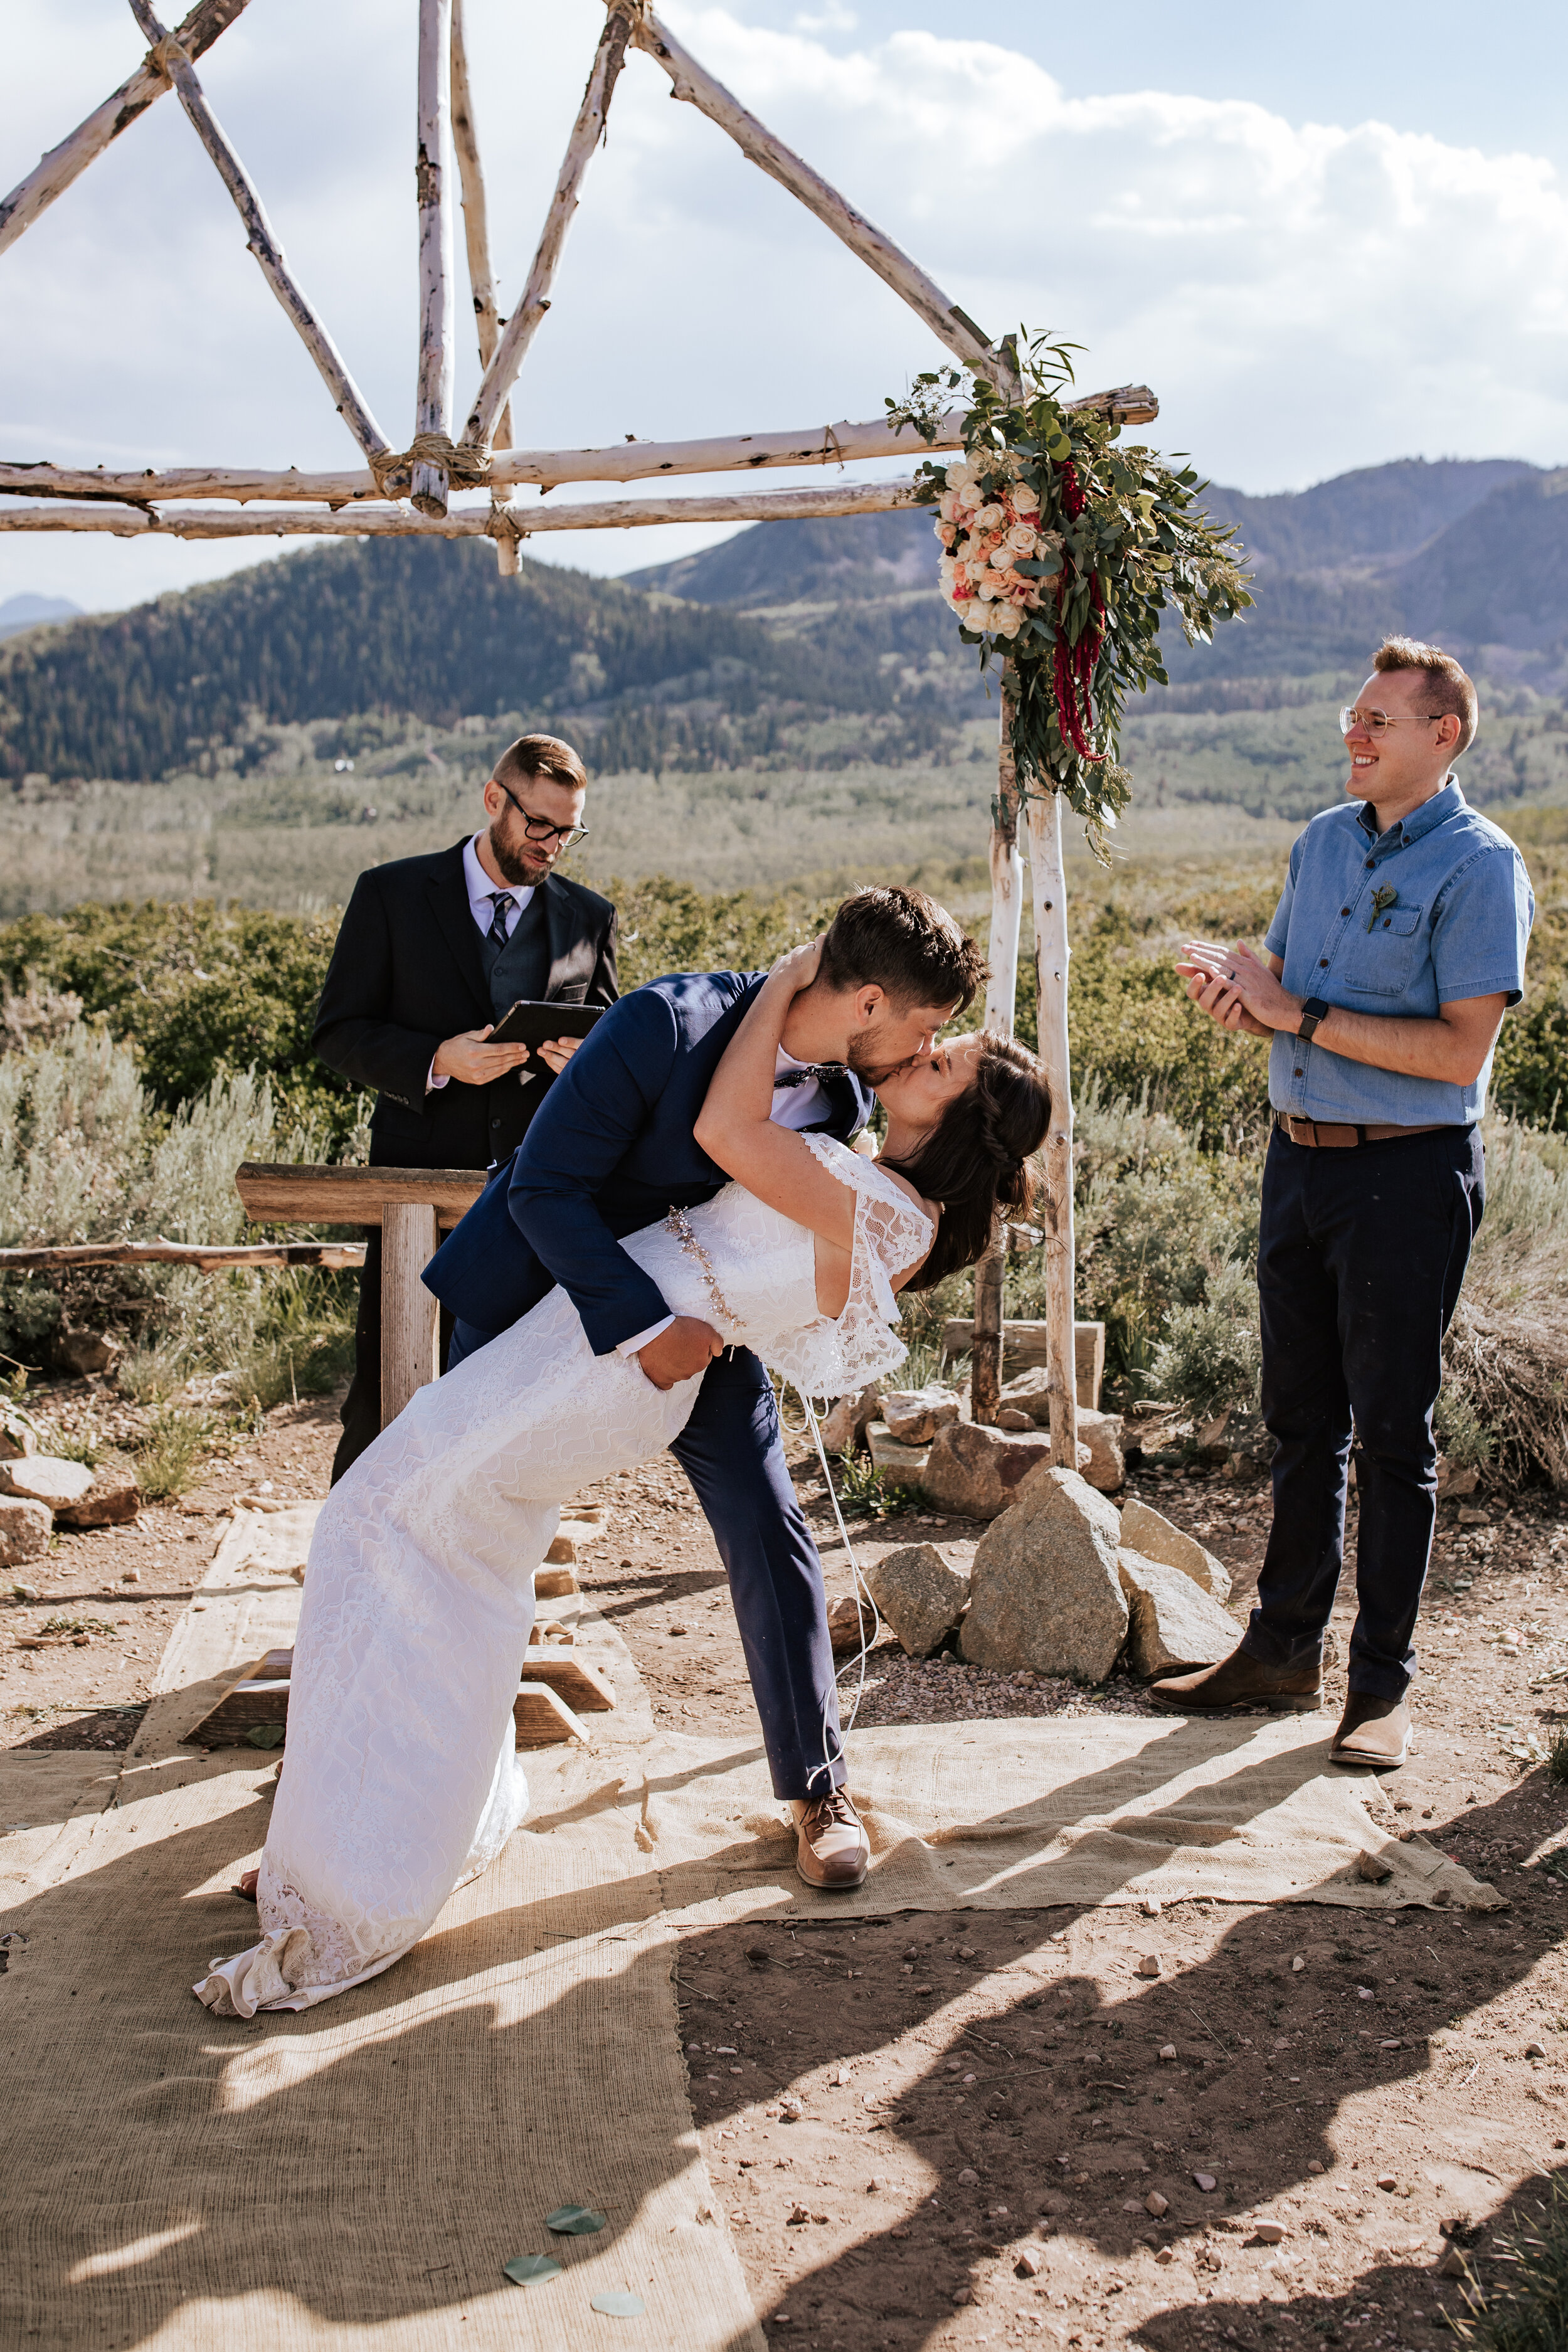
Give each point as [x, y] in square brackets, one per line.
[401, 1781]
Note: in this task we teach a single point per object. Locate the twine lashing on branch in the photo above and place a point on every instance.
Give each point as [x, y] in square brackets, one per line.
[166, 54]
[467, 468]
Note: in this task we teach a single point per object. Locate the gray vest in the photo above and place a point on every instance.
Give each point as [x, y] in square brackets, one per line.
[520, 968]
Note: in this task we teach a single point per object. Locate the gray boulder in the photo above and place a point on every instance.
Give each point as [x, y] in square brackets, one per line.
[24, 1530]
[1174, 1624]
[976, 1471]
[915, 1416]
[1100, 1431]
[850, 1417]
[1044, 1589]
[45, 1478]
[849, 1622]
[1144, 1531]
[919, 1596]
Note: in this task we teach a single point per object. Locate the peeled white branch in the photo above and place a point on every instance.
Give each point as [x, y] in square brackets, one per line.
[346, 394]
[628, 461]
[476, 236]
[478, 522]
[692, 81]
[501, 374]
[54, 175]
[433, 404]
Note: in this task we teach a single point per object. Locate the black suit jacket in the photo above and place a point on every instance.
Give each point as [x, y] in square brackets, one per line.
[407, 972]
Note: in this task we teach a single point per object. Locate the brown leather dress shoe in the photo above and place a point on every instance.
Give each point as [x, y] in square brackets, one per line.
[1373, 1731]
[832, 1848]
[1240, 1681]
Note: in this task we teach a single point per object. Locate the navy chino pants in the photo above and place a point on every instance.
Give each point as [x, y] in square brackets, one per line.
[1359, 1258]
[731, 1449]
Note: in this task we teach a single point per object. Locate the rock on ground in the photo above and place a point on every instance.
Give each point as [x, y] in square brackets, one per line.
[1044, 1589]
[45, 1478]
[1100, 1431]
[851, 1417]
[1175, 1624]
[976, 1472]
[112, 1498]
[915, 1416]
[920, 1597]
[849, 1622]
[1145, 1530]
[24, 1530]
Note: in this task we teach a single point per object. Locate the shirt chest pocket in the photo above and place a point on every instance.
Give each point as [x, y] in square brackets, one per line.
[1384, 960]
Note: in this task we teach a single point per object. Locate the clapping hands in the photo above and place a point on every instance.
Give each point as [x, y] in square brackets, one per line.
[1235, 987]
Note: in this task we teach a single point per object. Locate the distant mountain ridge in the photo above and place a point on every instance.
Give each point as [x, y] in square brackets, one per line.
[1473, 551]
[28, 612]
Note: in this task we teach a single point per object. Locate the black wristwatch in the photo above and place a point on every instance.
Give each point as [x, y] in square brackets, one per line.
[1314, 1009]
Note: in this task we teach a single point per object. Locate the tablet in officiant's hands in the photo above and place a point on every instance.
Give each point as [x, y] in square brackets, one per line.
[532, 1024]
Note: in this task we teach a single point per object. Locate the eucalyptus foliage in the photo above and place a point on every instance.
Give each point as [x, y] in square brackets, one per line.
[1120, 541]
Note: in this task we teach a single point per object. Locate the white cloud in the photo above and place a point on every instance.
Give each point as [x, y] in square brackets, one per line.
[1304, 296]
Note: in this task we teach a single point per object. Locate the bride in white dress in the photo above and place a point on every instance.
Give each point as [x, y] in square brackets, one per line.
[402, 1782]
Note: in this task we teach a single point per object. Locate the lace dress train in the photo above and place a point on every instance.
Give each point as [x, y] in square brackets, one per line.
[401, 1782]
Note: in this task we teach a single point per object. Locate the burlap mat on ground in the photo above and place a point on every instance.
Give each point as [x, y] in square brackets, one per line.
[355, 2175]
[1089, 1811]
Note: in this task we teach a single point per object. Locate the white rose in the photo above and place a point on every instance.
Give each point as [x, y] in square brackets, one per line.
[1022, 539]
[947, 507]
[990, 518]
[1008, 621]
[986, 585]
[968, 498]
[1025, 500]
[959, 472]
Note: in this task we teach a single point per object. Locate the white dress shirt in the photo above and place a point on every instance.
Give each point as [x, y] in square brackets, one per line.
[481, 906]
[792, 1106]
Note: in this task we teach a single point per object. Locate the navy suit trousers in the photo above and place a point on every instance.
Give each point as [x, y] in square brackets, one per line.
[1359, 1258]
[731, 1449]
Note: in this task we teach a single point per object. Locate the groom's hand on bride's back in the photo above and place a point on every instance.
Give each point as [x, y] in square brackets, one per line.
[685, 1347]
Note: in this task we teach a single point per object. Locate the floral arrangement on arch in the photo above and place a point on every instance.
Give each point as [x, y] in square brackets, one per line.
[1060, 553]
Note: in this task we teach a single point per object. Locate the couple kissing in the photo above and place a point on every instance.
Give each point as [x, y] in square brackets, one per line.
[685, 1217]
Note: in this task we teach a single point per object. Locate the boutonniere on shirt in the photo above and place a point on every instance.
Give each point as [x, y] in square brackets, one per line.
[1381, 902]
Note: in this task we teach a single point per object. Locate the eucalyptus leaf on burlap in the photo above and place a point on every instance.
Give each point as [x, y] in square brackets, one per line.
[575, 2222]
[530, 2270]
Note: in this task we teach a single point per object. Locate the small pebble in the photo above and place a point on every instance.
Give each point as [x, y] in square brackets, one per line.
[1297, 1965]
[1168, 2052]
[1156, 2204]
[1272, 2233]
[1028, 2264]
[1150, 1906]
[1388, 2182]
[968, 2174]
[1535, 2050]
[1205, 2181]
[872, 2186]
[1166, 2254]
[1314, 2164]
[1149, 1964]
[24, 1592]
[131, 1576]
[790, 2111]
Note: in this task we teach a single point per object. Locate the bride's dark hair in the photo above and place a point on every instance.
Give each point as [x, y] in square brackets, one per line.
[976, 1160]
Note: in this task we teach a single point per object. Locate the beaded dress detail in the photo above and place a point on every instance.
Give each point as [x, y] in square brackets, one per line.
[402, 1782]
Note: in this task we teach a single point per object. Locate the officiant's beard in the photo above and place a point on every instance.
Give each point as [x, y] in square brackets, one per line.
[526, 873]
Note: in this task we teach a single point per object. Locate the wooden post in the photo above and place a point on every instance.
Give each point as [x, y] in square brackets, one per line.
[501, 374]
[1001, 998]
[347, 397]
[54, 175]
[1048, 876]
[433, 406]
[476, 238]
[410, 1319]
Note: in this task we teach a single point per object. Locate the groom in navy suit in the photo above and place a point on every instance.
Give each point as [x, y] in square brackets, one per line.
[612, 1149]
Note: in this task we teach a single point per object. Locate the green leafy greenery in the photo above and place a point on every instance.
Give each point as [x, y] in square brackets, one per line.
[1121, 541]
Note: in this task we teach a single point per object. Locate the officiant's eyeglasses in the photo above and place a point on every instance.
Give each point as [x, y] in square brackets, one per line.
[539, 828]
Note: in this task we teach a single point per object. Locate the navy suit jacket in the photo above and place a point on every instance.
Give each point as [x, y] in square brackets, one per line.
[611, 1149]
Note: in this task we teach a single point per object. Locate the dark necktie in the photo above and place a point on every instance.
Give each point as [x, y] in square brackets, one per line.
[503, 902]
[823, 1071]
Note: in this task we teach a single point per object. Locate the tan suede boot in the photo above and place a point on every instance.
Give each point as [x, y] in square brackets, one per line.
[1240, 1681]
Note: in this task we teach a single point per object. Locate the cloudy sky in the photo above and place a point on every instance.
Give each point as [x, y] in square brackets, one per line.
[1328, 238]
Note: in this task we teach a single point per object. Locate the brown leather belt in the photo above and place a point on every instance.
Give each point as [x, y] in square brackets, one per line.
[1322, 1136]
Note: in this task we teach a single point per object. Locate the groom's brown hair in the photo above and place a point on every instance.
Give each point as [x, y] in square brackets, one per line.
[901, 941]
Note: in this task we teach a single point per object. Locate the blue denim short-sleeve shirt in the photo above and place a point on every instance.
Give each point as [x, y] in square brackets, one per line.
[1399, 924]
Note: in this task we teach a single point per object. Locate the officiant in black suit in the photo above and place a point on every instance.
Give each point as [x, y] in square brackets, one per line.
[431, 952]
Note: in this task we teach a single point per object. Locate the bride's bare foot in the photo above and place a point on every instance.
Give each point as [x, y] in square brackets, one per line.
[247, 1884]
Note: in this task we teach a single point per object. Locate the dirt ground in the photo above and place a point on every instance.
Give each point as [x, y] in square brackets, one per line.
[987, 2123]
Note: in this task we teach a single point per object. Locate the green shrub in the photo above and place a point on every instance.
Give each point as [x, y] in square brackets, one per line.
[1210, 1356]
[171, 1448]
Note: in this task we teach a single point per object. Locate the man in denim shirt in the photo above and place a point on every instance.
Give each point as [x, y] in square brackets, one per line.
[1396, 949]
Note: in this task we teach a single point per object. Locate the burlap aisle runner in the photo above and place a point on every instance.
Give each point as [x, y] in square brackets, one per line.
[355, 2175]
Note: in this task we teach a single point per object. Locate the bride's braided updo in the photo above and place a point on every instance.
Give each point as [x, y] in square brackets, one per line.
[976, 1160]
